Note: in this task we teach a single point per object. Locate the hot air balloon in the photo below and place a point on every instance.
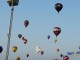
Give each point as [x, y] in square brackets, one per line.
[42, 52]
[58, 7]
[25, 41]
[61, 55]
[23, 38]
[38, 49]
[19, 35]
[27, 55]
[70, 53]
[57, 50]
[56, 31]
[65, 58]
[26, 23]
[55, 40]
[17, 58]
[48, 36]
[1, 49]
[14, 48]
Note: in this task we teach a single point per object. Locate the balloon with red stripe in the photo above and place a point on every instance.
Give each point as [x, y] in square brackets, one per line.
[65, 58]
[56, 31]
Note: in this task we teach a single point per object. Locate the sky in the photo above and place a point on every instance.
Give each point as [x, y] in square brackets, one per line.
[42, 18]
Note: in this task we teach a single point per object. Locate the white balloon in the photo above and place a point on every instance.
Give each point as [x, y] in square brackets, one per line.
[38, 49]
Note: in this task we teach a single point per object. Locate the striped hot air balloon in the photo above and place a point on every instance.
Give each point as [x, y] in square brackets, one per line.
[56, 31]
[65, 58]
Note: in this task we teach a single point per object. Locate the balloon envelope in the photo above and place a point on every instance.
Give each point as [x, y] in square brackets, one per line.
[38, 49]
[61, 55]
[65, 58]
[57, 50]
[1, 49]
[55, 40]
[26, 23]
[17, 58]
[27, 55]
[23, 38]
[14, 48]
[48, 36]
[56, 31]
[19, 35]
[25, 41]
[58, 7]
[42, 52]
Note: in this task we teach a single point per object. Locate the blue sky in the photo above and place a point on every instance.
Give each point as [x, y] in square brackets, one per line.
[42, 18]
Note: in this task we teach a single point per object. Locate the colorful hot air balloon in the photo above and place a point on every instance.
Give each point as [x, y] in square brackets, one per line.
[19, 35]
[23, 38]
[58, 7]
[17, 58]
[38, 49]
[56, 31]
[65, 58]
[25, 41]
[1, 49]
[70, 53]
[14, 48]
[55, 40]
[26, 23]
